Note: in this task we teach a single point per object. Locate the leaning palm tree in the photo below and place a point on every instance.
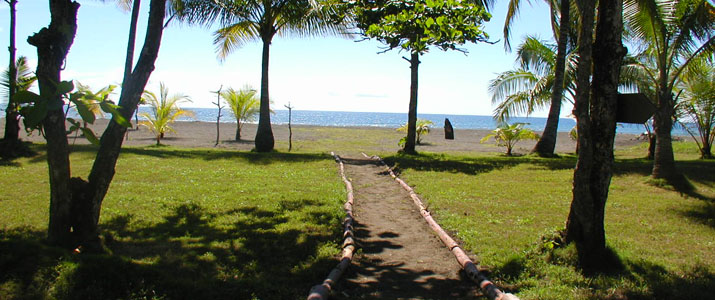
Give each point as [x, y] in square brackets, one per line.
[562, 27]
[670, 33]
[252, 20]
[244, 105]
[23, 81]
[529, 87]
[165, 110]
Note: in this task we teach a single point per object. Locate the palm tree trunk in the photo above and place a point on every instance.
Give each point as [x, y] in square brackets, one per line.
[238, 129]
[547, 142]
[264, 134]
[596, 129]
[53, 43]
[664, 161]
[12, 118]
[412, 113]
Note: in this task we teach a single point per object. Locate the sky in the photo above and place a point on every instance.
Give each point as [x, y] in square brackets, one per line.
[321, 73]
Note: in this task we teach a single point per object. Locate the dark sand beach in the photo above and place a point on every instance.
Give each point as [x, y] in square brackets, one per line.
[321, 139]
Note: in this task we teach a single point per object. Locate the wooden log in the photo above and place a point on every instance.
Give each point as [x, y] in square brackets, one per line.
[322, 291]
[488, 288]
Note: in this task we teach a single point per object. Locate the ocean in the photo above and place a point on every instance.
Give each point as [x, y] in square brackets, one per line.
[393, 120]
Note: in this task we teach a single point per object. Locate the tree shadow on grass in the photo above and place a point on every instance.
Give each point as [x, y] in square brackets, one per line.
[616, 279]
[394, 280]
[252, 253]
[213, 154]
[472, 165]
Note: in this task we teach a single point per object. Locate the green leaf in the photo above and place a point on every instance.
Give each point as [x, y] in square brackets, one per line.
[89, 134]
[113, 109]
[33, 115]
[64, 87]
[26, 97]
[84, 111]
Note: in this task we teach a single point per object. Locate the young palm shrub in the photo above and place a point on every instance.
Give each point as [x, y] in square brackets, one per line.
[422, 128]
[697, 105]
[165, 110]
[508, 135]
[244, 105]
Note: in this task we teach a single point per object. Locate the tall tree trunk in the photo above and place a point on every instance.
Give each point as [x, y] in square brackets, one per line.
[12, 118]
[412, 113]
[596, 128]
[129, 61]
[547, 142]
[664, 161]
[651, 146]
[53, 44]
[104, 165]
[238, 129]
[264, 134]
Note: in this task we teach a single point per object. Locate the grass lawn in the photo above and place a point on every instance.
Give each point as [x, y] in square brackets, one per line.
[181, 224]
[505, 209]
[212, 224]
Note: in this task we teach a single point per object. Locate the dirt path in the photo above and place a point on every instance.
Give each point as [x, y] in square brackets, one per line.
[400, 257]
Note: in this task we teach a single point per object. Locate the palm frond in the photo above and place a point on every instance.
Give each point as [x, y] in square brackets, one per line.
[536, 56]
[228, 39]
[511, 82]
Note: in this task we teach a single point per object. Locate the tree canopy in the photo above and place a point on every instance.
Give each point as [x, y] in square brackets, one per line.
[415, 25]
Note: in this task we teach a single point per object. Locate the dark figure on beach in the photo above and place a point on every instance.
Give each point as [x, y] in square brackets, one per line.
[448, 130]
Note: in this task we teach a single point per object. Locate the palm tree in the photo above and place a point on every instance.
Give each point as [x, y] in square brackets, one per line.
[244, 105]
[697, 104]
[563, 34]
[23, 80]
[165, 110]
[671, 34]
[422, 127]
[529, 87]
[507, 135]
[252, 20]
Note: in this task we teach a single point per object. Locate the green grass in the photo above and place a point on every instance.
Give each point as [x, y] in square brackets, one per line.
[209, 224]
[181, 224]
[504, 209]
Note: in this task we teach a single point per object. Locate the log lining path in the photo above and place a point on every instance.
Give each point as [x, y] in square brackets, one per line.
[400, 257]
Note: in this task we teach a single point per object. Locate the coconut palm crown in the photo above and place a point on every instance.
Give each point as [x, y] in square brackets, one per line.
[528, 88]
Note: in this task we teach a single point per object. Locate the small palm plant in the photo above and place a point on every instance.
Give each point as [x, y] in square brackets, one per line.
[244, 105]
[421, 128]
[508, 135]
[165, 110]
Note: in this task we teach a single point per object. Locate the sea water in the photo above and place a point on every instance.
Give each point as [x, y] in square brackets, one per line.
[395, 120]
[390, 120]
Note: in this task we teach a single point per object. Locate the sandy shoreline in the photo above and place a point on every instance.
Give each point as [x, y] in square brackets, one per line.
[203, 135]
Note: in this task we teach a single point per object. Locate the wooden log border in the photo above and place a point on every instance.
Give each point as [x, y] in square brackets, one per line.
[322, 291]
[488, 288]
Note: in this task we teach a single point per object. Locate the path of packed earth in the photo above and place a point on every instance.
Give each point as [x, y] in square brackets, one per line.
[400, 256]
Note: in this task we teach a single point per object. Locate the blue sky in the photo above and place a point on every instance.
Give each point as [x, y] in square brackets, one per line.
[326, 73]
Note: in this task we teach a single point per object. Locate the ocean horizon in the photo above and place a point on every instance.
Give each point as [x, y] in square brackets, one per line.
[390, 120]
[395, 120]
